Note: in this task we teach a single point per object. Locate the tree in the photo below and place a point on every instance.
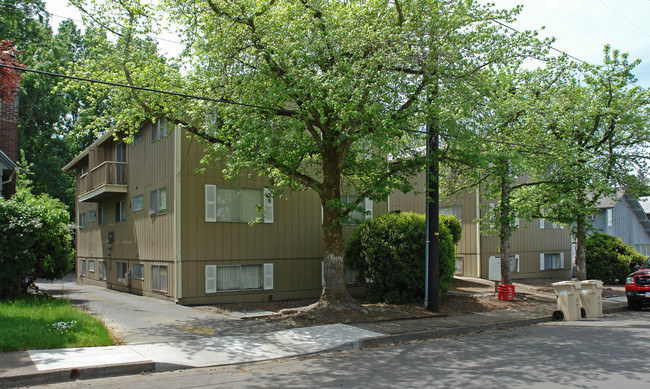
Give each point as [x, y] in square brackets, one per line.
[597, 121]
[35, 239]
[49, 111]
[343, 85]
[506, 142]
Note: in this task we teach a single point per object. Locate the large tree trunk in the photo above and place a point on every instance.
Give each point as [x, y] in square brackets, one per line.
[334, 291]
[505, 229]
[581, 253]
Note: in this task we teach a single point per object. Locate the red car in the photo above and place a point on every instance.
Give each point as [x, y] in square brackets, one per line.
[637, 287]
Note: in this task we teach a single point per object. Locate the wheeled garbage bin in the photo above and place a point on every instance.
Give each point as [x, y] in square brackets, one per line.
[568, 300]
[591, 297]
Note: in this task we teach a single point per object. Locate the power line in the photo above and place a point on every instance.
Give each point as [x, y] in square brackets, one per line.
[148, 36]
[143, 89]
[285, 112]
[624, 18]
[549, 46]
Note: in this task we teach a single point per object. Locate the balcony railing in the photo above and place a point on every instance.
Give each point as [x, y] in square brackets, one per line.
[107, 178]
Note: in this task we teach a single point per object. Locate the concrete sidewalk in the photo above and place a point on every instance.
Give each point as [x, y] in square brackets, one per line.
[61, 365]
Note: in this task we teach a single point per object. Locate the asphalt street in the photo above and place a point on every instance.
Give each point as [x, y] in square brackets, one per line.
[609, 352]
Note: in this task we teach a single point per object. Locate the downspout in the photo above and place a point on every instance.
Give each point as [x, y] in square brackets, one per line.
[178, 272]
[478, 234]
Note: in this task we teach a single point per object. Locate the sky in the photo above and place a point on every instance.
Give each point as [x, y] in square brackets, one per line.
[581, 27]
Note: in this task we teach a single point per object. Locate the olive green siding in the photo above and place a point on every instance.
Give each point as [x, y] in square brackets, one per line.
[292, 243]
[181, 240]
[528, 241]
[141, 238]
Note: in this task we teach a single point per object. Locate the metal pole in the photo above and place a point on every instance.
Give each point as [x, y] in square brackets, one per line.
[433, 223]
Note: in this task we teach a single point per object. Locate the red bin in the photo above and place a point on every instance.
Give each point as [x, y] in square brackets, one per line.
[506, 292]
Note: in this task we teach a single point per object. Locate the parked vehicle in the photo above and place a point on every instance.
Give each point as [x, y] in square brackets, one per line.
[637, 287]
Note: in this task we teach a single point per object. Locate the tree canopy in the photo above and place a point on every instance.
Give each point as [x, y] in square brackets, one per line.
[321, 95]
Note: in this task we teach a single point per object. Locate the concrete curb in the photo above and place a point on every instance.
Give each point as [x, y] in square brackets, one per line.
[440, 333]
[91, 372]
[65, 375]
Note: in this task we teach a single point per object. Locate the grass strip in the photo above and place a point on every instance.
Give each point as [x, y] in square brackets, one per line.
[35, 322]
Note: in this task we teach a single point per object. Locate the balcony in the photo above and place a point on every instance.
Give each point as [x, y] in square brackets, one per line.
[103, 182]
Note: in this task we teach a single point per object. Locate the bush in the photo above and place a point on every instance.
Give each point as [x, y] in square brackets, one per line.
[609, 259]
[35, 241]
[390, 251]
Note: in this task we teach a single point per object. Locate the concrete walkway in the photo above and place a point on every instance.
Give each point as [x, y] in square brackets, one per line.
[163, 336]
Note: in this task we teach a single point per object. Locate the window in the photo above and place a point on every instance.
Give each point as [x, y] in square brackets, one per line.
[237, 204]
[102, 216]
[551, 261]
[102, 270]
[82, 220]
[159, 278]
[351, 276]
[357, 217]
[159, 130]
[136, 203]
[120, 152]
[91, 266]
[82, 267]
[455, 210]
[120, 211]
[137, 137]
[121, 271]
[138, 271]
[609, 217]
[590, 218]
[158, 202]
[91, 216]
[238, 277]
[545, 224]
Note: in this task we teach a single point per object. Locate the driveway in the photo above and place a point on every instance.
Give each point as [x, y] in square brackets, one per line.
[138, 319]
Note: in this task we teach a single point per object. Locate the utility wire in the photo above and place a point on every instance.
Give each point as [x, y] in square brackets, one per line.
[148, 36]
[139, 88]
[549, 46]
[224, 101]
[626, 19]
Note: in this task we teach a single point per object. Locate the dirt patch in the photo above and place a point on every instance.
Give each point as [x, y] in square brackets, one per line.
[464, 296]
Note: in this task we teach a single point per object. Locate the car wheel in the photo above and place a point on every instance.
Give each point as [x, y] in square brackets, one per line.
[558, 316]
[634, 305]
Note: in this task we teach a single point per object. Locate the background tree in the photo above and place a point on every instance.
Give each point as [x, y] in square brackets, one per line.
[506, 141]
[597, 121]
[35, 238]
[49, 111]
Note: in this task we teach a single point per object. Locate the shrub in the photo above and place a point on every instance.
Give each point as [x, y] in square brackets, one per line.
[609, 259]
[390, 251]
[35, 241]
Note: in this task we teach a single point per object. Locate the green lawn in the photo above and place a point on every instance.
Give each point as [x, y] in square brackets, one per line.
[41, 322]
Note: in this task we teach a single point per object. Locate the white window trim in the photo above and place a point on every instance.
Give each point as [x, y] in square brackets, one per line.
[211, 205]
[609, 217]
[211, 279]
[541, 261]
[157, 210]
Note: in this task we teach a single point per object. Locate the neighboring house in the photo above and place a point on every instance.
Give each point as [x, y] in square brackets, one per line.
[8, 145]
[150, 224]
[624, 216]
[538, 249]
[645, 204]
